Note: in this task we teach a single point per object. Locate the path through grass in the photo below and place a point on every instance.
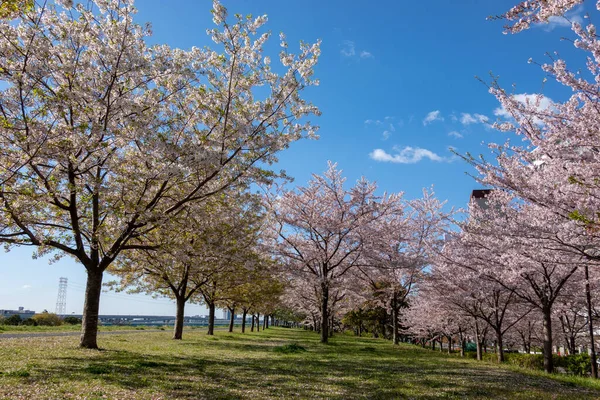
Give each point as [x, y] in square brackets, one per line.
[278, 363]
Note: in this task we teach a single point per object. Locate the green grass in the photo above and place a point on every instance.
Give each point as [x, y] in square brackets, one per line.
[68, 328]
[149, 365]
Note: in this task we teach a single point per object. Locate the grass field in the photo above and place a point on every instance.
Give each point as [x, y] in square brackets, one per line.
[65, 328]
[265, 365]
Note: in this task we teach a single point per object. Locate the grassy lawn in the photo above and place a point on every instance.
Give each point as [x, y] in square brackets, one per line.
[148, 365]
[65, 328]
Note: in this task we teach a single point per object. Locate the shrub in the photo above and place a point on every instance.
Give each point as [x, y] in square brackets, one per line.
[47, 319]
[29, 322]
[72, 320]
[529, 361]
[13, 320]
[290, 348]
[576, 364]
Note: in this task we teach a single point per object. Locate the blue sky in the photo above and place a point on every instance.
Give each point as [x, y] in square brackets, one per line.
[397, 90]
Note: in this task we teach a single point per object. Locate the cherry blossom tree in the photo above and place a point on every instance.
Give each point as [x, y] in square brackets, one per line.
[318, 231]
[104, 139]
[518, 245]
[209, 242]
[397, 252]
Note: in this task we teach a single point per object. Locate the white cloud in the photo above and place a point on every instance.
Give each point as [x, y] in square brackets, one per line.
[372, 122]
[406, 155]
[467, 119]
[26, 287]
[348, 48]
[386, 135]
[539, 102]
[433, 116]
[455, 134]
[565, 21]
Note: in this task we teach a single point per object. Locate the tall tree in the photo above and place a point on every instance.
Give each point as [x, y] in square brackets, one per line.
[210, 241]
[318, 230]
[104, 139]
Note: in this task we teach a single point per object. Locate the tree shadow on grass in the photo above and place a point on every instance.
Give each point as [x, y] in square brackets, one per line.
[246, 366]
[319, 375]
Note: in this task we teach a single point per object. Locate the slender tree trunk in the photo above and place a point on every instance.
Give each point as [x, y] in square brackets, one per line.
[500, 344]
[178, 330]
[588, 296]
[395, 336]
[449, 338]
[91, 307]
[252, 327]
[548, 362]
[264, 322]
[478, 341]
[433, 344]
[331, 326]
[211, 318]
[231, 318]
[244, 314]
[324, 312]
[257, 322]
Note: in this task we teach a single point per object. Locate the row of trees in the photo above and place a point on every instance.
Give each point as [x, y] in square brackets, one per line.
[510, 271]
[342, 247]
[525, 261]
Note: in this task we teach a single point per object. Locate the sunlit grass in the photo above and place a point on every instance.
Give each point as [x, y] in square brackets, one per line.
[149, 365]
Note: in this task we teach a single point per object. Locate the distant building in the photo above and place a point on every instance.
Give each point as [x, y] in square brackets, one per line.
[22, 312]
[479, 197]
[226, 314]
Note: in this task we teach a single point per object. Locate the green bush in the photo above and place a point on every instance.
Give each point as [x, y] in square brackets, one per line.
[528, 361]
[47, 319]
[29, 322]
[72, 320]
[290, 348]
[13, 320]
[576, 364]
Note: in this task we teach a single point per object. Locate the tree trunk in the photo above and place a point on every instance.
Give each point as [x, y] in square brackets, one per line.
[252, 327]
[588, 296]
[478, 341]
[324, 313]
[449, 338]
[231, 318]
[395, 336]
[244, 314]
[500, 344]
[257, 322]
[331, 326]
[211, 318]
[548, 362]
[264, 322]
[91, 307]
[433, 344]
[178, 330]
